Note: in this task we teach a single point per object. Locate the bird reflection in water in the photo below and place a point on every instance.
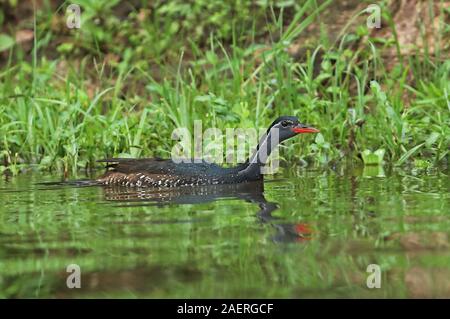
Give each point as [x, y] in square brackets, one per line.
[252, 192]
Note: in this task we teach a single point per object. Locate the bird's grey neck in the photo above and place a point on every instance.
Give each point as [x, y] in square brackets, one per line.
[261, 155]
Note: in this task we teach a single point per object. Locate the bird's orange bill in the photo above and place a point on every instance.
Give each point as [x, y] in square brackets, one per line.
[305, 130]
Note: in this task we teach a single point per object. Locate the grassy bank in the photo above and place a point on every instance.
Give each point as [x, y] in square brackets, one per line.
[120, 84]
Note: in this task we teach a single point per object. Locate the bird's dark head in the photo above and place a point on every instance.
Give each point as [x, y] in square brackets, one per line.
[290, 126]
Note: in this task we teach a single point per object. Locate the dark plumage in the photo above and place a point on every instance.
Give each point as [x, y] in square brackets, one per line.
[156, 172]
[164, 173]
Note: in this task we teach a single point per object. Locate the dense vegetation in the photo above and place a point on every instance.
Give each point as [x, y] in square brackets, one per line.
[133, 72]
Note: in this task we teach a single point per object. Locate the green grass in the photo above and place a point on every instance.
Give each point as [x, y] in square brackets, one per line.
[121, 85]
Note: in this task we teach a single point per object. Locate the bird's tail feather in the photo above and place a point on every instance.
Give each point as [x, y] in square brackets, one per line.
[75, 183]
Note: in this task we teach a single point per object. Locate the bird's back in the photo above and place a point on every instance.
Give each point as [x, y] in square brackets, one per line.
[155, 172]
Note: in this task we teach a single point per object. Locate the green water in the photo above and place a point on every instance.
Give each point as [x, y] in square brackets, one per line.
[306, 234]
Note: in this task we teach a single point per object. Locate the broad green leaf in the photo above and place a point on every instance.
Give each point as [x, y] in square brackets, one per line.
[409, 153]
[6, 42]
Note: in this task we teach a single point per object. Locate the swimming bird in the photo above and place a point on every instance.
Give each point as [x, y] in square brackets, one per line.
[155, 172]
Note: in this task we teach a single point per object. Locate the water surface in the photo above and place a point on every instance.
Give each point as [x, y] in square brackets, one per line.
[303, 233]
